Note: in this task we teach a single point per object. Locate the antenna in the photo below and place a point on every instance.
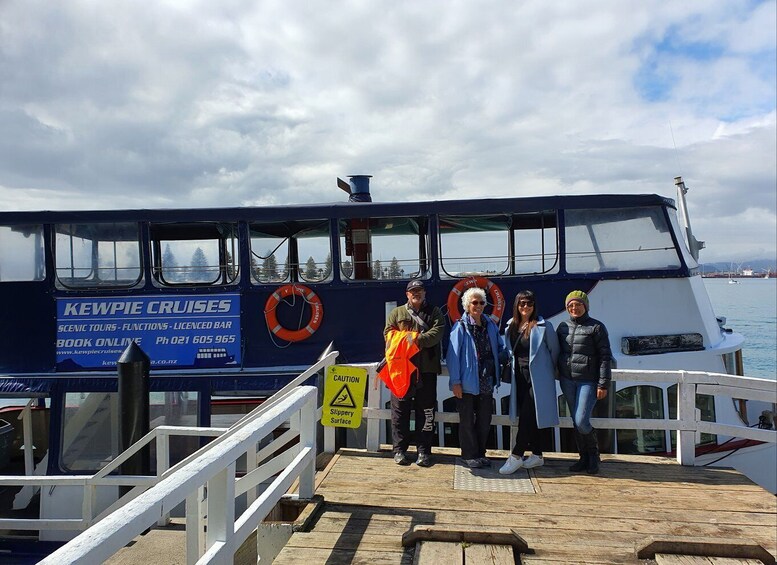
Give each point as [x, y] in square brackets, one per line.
[676, 152]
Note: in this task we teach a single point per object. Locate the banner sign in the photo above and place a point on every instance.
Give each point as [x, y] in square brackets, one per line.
[187, 331]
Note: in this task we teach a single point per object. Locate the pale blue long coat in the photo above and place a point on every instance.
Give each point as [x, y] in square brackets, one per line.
[543, 354]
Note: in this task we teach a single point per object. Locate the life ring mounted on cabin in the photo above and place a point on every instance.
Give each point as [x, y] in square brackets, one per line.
[495, 295]
[316, 312]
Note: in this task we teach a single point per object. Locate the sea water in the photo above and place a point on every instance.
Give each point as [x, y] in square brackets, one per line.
[750, 308]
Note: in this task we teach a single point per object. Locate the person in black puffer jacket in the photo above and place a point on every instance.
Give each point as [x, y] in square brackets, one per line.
[584, 367]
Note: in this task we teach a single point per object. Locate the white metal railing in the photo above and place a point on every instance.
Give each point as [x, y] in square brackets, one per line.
[687, 423]
[212, 471]
[261, 465]
[161, 435]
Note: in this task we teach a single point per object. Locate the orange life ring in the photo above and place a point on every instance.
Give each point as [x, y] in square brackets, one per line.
[316, 312]
[495, 294]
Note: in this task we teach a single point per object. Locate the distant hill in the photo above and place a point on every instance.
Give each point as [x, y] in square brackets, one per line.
[759, 266]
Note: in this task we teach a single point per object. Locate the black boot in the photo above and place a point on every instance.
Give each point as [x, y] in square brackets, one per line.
[592, 449]
[582, 463]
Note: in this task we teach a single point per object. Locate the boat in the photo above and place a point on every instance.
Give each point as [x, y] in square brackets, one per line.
[229, 304]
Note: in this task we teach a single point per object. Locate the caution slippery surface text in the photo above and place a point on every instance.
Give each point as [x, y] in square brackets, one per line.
[344, 396]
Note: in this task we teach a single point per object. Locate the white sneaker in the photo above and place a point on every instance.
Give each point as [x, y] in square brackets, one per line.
[512, 464]
[533, 461]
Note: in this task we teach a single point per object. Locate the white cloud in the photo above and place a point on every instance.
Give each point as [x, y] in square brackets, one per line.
[234, 103]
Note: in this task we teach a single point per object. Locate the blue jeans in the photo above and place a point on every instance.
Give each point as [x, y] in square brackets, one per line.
[581, 398]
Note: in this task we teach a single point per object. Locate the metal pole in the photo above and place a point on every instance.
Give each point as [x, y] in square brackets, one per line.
[133, 368]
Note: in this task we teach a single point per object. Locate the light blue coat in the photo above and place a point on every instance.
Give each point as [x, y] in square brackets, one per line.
[462, 358]
[543, 354]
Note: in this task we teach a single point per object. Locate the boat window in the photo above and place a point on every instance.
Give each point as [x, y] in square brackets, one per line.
[315, 254]
[383, 248]
[705, 403]
[293, 250]
[290, 251]
[174, 408]
[90, 427]
[641, 401]
[21, 253]
[195, 253]
[535, 243]
[618, 239]
[269, 254]
[474, 245]
[90, 430]
[97, 255]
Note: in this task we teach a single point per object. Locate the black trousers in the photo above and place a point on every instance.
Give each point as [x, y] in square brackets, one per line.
[475, 412]
[528, 437]
[421, 397]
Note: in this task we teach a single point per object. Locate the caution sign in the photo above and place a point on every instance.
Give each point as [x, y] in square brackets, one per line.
[343, 396]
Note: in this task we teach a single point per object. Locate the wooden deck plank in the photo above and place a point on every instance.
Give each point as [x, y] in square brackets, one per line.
[646, 496]
[646, 526]
[336, 522]
[347, 540]
[734, 561]
[484, 554]
[437, 552]
[662, 559]
[308, 556]
[550, 511]
[371, 502]
[641, 467]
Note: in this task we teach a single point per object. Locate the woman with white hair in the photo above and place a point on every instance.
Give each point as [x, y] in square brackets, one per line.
[474, 353]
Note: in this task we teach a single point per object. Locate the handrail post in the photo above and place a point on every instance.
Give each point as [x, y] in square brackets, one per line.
[328, 431]
[251, 464]
[221, 506]
[686, 414]
[374, 395]
[87, 504]
[162, 464]
[195, 528]
[307, 438]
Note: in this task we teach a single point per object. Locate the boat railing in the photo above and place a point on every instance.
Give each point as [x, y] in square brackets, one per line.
[687, 424]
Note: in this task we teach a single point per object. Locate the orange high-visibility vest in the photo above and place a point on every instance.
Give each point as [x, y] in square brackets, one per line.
[398, 369]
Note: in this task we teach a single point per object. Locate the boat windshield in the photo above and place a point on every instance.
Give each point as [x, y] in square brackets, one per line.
[619, 239]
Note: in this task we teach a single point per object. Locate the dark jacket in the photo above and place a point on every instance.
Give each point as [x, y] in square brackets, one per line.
[585, 350]
[399, 318]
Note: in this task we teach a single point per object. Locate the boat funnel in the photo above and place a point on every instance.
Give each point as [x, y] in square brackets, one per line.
[360, 188]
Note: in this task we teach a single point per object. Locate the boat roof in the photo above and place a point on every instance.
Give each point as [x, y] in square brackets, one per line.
[475, 206]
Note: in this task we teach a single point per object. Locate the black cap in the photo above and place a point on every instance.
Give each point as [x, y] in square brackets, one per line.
[415, 284]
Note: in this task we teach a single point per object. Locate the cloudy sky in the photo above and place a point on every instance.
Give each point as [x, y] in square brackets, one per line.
[107, 104]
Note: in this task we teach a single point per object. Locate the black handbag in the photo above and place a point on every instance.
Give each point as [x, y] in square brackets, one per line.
[507, 373]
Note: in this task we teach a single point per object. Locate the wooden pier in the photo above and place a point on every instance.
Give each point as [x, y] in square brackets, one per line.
[371, 503]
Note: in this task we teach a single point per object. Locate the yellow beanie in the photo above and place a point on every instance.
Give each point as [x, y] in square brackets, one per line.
[577, 295]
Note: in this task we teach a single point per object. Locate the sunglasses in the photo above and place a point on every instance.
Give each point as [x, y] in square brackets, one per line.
[526, 303]
[478, 303]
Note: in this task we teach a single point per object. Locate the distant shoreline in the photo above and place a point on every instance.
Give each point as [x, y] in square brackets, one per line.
[735, 276]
